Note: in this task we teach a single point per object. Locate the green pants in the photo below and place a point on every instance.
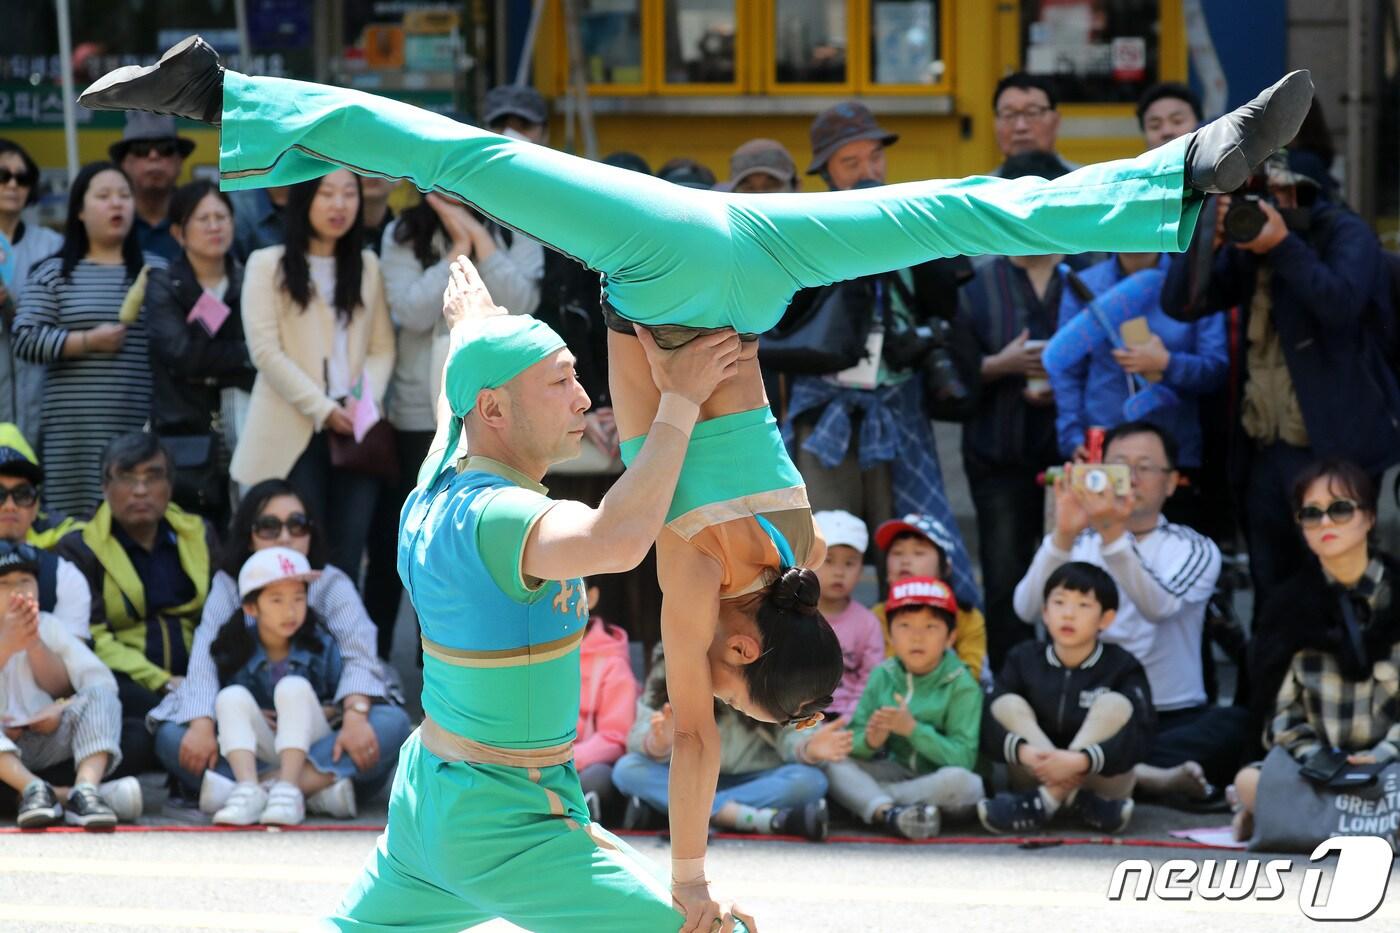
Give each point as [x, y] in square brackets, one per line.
[469, 843]
[674, 255]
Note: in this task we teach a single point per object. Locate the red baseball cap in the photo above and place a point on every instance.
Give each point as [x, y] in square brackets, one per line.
[922, 525]
[921, 591]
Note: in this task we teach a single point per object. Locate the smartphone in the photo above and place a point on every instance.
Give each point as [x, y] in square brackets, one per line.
[1135, 332]
[1102, 477]
[1324, 765]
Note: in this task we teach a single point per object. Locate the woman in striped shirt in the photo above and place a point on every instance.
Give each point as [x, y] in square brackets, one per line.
[99, 377]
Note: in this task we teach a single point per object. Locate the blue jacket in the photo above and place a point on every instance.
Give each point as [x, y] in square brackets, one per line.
[1093, 392]
[321, 669]
[1330, 297]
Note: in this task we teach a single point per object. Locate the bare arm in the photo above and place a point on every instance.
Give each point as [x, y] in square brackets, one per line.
[49, 673]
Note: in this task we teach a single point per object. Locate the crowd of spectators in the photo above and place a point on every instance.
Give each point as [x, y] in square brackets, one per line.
[212, 407]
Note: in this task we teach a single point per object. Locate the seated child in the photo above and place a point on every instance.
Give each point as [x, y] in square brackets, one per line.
[277, 679]
[763, 786]
[1071, 718]
[607, 707]
[918, 546]
[58, 704]
[917, 722]
[862, 641]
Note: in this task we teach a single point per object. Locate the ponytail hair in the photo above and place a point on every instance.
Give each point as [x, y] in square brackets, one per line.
[801, 664]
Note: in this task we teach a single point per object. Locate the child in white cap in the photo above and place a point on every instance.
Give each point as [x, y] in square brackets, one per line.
[857, 628]
[277, 675]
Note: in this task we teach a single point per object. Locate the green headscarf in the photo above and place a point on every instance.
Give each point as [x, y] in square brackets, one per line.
[493, 352]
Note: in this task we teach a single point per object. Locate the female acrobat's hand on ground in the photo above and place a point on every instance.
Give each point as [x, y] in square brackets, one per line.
[704, 914]
[694, 370]
[466, 297]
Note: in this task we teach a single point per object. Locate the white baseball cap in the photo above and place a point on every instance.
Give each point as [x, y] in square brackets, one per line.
[273, 565]
[841, 527]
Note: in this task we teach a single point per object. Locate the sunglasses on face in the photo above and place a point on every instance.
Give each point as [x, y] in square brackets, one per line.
[165, 148]
[24, 179]
[269, 527]
[1340, 512]
[24, 496]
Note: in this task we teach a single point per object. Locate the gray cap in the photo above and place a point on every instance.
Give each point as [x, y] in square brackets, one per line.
[514, 100]
[761, 157]
[142, 126]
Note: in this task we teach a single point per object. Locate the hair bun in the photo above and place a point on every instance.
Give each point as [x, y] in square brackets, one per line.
[798, 588]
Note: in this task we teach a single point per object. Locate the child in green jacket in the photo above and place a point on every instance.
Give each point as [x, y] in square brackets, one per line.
[917, 724]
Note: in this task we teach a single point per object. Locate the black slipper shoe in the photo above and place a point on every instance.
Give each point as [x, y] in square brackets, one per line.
[1225, 152]
[188, 81]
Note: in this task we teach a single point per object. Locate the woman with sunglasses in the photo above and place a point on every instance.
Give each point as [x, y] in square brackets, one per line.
[365, 746]
[21, 383]
[1322, 638]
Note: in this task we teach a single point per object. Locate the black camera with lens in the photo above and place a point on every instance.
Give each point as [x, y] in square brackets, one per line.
[1245, 219]
[927, 348]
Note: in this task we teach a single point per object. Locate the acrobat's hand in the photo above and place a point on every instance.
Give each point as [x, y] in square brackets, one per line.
[692, 371]
[466, 297]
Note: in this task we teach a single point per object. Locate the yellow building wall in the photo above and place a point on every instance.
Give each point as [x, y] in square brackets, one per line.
[985, 45]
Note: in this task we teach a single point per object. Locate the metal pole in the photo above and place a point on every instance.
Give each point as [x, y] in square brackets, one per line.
[70, 96]
[527, 49]
[579, 78]
[498, 22]
[1355, 109]
[245, 46]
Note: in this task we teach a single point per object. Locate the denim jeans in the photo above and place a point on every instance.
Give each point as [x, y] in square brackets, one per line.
[390, 724]
[789, 785]
[342, 500]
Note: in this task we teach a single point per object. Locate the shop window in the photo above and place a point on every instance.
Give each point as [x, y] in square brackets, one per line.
[1098, 51]
[701, 42]
[905, 42]
[611, 35]
[810, 42]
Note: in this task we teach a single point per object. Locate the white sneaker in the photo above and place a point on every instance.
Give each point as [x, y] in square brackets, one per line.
[285, 806]
[124, 797]
[337, 800]
[245, 804]
[214, 792]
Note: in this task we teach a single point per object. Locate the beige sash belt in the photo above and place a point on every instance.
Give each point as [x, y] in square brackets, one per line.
[452, 747]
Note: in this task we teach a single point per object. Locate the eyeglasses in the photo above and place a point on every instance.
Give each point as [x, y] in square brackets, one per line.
[165, 148]
[1340, 512]
[1029, 114]
[269, 527]
[24, 496]
[25, 179]
[149, 479]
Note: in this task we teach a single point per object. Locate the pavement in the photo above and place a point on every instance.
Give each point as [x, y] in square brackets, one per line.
[277, 881]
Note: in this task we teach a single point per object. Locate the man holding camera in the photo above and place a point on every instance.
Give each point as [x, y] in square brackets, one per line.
[1313, 289]
[1165, 574]
[861, 436]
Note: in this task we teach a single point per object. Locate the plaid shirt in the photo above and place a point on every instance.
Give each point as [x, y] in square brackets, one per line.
[1319, 707]
[894, 429]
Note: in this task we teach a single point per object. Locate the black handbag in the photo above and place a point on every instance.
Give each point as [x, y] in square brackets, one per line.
[827, 336]
[201, 472]
[376, 455]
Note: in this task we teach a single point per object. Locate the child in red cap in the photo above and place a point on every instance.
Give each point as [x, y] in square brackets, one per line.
[917, 723]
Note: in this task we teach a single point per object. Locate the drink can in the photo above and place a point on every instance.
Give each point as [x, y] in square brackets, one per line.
[1093, 443]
